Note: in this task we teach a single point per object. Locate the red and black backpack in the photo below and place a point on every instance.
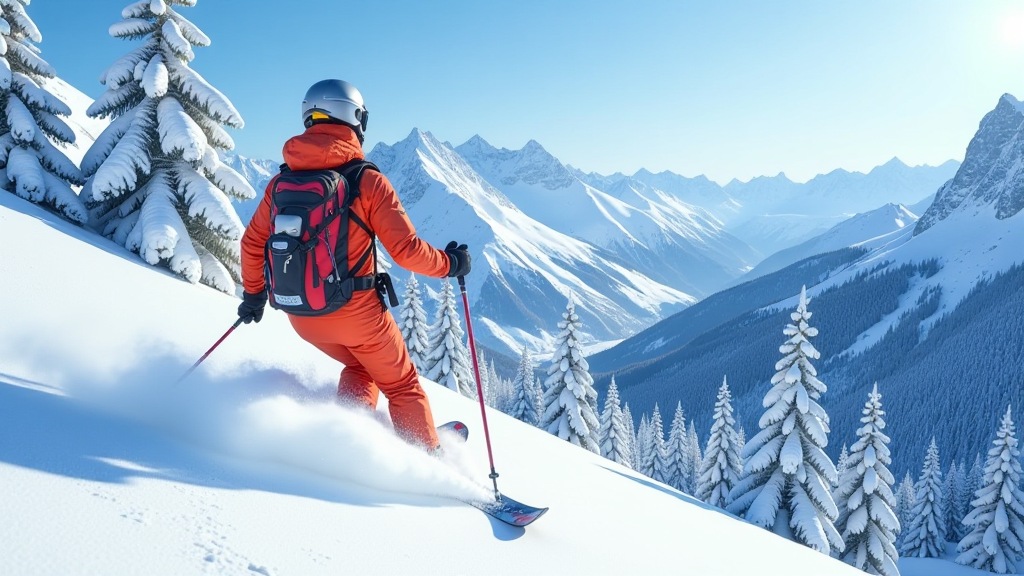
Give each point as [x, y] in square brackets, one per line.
[307, 268]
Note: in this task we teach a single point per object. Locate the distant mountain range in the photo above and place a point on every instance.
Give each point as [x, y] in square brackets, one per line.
[932, 310]
[632, 249]
[523, 270]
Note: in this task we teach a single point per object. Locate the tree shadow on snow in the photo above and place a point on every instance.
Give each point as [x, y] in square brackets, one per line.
[671, 492]
[42, 429]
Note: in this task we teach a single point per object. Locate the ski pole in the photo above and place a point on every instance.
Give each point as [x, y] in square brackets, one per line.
[479, 388]
[210, 351]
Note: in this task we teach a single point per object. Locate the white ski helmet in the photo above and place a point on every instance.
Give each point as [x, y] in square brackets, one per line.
[335, 101]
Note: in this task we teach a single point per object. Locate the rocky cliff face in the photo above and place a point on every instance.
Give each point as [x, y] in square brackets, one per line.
[992, 173]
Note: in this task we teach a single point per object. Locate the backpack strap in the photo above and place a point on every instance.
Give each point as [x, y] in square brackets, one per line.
[352, 172]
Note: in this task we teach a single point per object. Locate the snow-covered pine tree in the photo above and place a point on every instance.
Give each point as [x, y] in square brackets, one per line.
[614, 438]
[961, 503]
[696, 458]
[865, 499]
[31, 166]
[645, 442]
[412, 320]
[538, 387]
[485, 382]
[155, 182]
[841, 465]
[906, 500]
[950, 487]
[677, 452]
[634, 447]
[570, 401]
[997, 539]
[656, 461]
[502, 393]
[975, 478]
[524, 398]
[787, 475]
[742, 437]
[448, 361]
[722, 462]
[925, 536]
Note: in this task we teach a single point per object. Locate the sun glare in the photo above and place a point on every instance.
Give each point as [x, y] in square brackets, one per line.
[1011, 29]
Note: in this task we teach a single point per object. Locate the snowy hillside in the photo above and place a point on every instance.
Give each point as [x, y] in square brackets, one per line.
[107, 466]
[935, 317]
[678, 244]
[870, 230]
[523, 270]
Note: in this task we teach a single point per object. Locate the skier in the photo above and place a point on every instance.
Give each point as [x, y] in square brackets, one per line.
[361, 334]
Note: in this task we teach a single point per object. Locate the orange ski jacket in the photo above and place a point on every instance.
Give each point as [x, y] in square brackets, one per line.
[328, 146]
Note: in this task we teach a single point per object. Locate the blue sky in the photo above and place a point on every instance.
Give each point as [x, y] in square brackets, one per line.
[727, 89]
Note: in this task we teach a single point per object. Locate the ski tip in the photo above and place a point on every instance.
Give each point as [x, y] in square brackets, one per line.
[455, 427]
[510, 511]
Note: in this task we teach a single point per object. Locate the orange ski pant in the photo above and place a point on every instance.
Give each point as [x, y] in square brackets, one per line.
[368, 342]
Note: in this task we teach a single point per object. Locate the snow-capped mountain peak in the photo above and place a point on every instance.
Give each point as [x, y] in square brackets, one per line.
[531, 164]
[991, 176]
[524, 269]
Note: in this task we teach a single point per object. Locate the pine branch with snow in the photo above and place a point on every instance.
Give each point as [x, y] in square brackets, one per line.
[154, 180]
[926, 534]
[996, 542]
[412, 321]
[523, 404]
[864, 497]
[678, 453]
[723, 463]
[614, 438]
[787, 475]
[570, 400]
[448, 361]
[31, 165]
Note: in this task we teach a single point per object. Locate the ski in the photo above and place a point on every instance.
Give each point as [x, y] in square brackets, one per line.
[509, 511]
[455, 427]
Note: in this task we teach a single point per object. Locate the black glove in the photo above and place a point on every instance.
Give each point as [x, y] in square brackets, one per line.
[460, 260]
[252, 306]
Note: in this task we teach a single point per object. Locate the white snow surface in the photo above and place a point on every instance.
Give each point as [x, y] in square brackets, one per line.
[108, 466]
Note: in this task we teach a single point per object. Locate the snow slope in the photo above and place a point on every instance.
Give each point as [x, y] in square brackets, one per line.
[108, 466]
